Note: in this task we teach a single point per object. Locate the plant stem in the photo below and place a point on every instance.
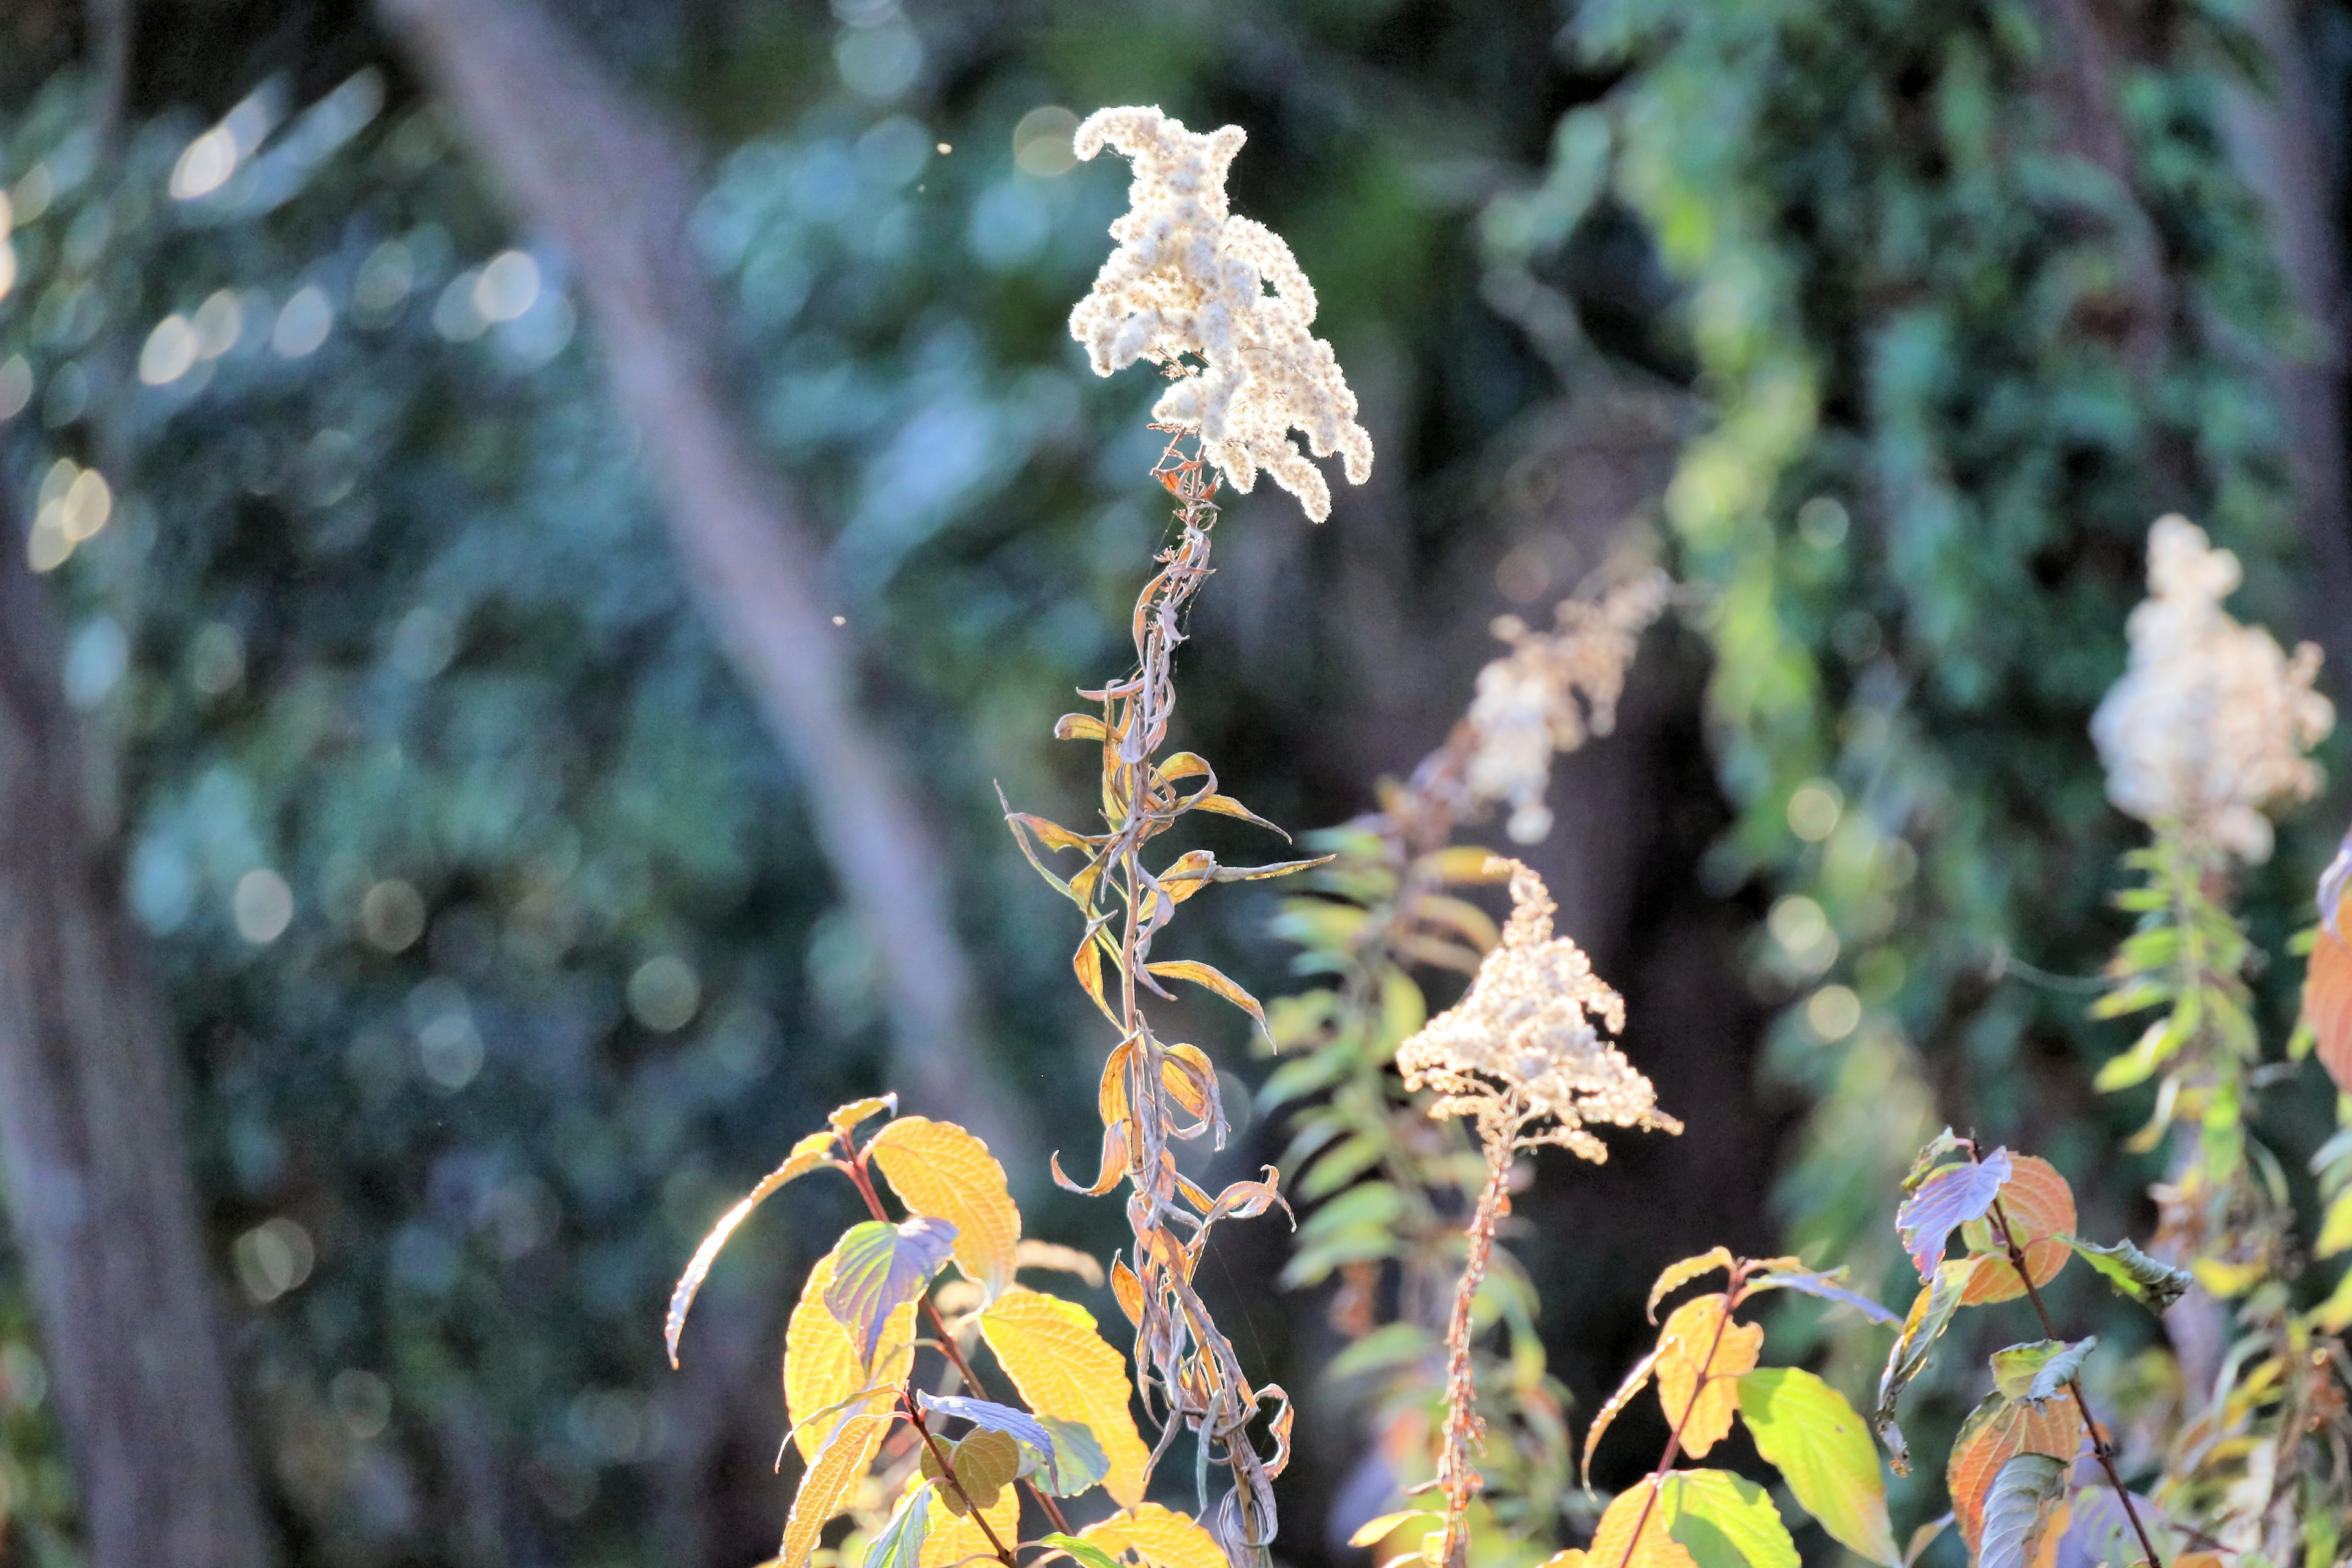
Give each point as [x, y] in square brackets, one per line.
[939, 1458]
[2101, 1448]
[1456, 1473]
[856, 1169]
[1675, 1439]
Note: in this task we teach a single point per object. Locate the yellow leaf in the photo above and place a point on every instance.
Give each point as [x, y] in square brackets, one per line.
[1160, 1536]
[1614, 1545]
[1079, 727]
[957, 1538]
[1700, 1390]
[1207, 976]
[1128, 1290]
[939, 1170]
[822, 1368]
[1683, 1273]
[1468, 863]
[807, 1155]
[1063, 1368]
[831, 1481]
[848, 1118]
[1635, 1381]
[1226, 806]
[1372, 1531]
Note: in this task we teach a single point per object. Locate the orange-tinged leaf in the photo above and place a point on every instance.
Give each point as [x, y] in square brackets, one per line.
[1676, 1275]
[1063, 1368]
[822, 1368]
[1184, 765]
[1995, 1433]
[1087, 964]
[1226, 806]
[1114, 1163]
[1208, 976]
[1160, 1536]
[1635, 1381]
[1700, 1389]
[847, 1119]
[1053, 834]
[829, 1485]
[1079, 727]
[939, 1169]
[956, 1537]
[806, 1155]
[1615, 1544]
[1128, 1290]
[2327, 1004]
[2040, 1207]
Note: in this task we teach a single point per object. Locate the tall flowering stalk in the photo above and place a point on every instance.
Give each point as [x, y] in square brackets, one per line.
[1186, 288]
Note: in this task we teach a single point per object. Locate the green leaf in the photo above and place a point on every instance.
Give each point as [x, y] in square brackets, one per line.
[1084, 1553]
[2039, 1369]
[2133, 1273]
[900, 1544]
[1371, 1532]
[1724, 1520]
[1824, 1452]
[2017, 1509]
[877, 1265]
[1931, 1314]
[1943, 1144]
[1077, 1461]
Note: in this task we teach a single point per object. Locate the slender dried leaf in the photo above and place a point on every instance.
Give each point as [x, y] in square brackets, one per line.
[806, 1155]
[939, 1170]
[1208, 976]
[1226, 806]
[1931, 1314]
[1635, 1381]
[1824, 1452]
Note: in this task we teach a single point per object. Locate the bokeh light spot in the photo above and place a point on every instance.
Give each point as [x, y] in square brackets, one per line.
[664, 994]
[263, 905]
[391, 915]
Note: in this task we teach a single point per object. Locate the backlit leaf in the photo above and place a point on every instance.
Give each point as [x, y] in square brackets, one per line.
[1078, 1460]
[957, 1538]
[991, 1416]
[806, 1155]
[1931, 1314]
[1372, 1531]
[1080, 727]
[2328, 1000]
[939, 1170]
[1226, 806]
[2133, 1273]
[2039, 1369]
[1085, 1553]
[1683, 1273]
[1114, 1163]
[1996, 1432]
[1128, 1290]
[1160, 1536]
[1632, 1534]
[900, 1544]
[1824, 1452]
[823, 1371]
[1701, 1356]
[2017, 1507]
[2039, 1208]
[984, 1463]
[1208, 976]
[1635, 1381]
[877, 1265]
[831, 1482]
[1829, 1286]
[1947, 1198]
[1053, 1256]
[1063, 1368]
[847, 1119]
[1724, 1520]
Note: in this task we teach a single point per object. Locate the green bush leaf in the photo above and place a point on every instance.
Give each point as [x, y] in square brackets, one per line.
[1085, 1553]
[900, 1544]
[1724, 1520]
[2134, 1273]
[2041, 1369]
[1824, 1452]
[2018, 1507]
[1931, 1314]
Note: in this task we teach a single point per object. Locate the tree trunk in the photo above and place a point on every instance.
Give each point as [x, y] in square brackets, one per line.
[96, 1166]
[602, 174]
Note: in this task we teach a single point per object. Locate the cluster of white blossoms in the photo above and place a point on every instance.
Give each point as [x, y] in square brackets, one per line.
[2210, 722]
[1528, 707]
[1188, 278]
[1519, 1054]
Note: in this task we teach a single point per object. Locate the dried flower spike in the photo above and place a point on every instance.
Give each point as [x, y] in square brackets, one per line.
[2210, 723]
[1188, 278]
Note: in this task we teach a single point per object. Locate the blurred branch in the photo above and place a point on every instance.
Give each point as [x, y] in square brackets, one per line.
[604, 174]
[98, 1182]
[112, 26]
[2278, 140]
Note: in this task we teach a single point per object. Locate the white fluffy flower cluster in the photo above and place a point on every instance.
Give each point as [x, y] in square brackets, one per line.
[2210, 723]
[1520, 1055]
[1188, 278]
[1527, 706]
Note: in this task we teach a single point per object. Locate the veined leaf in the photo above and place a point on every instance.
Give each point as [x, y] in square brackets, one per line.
[1208, 976]
[1828, 1285]
[2133, 1273]
[1683, 1272]
[2017, 1507]
[991, 1416]
[1824, 1452]
[957, 1540]
[1059, 1360]
[877, 1265]
[939, 1170]
[1160, 1536]
[1635, 1381]
[1701, 1356]
[984, 1463]
[806, 1155]
[2039, 1208]
[1372, 1531]
[1931, 1314]
[1724, 1520]
[1632, 1534]
[2039, 1369]
[1949, 1197]
[900, 1544]
[1996, 1432]
[1078, 1460]
[847, 1119]
[823, 1369]
[831, 1480]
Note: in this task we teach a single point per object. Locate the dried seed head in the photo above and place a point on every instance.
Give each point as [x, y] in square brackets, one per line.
[1520, 1053]
[1189, 278]
[2210, 722]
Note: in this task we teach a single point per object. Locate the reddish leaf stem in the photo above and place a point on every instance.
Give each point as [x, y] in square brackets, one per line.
[939, 1458]
[1698, 1390]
